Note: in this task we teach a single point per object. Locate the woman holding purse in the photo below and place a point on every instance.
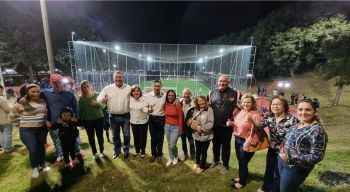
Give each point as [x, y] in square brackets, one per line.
[201, 121]
[243, 125]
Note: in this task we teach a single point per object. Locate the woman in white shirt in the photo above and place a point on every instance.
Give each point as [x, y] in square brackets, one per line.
[138, 120]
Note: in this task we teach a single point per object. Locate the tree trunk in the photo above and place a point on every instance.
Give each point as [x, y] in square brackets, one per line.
[291, 71]
[337, 96]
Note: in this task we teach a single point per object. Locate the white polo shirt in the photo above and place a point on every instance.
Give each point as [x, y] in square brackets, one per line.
[118, 98]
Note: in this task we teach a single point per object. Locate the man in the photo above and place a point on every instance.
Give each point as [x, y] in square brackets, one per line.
[223, 101]
[187, 103]
[117, 96]
[58, 99]
[155, 103]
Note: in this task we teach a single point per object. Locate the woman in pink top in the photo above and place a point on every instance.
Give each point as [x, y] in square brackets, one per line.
[242, 125]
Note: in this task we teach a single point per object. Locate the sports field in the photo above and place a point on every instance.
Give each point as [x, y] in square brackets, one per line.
[197, 87]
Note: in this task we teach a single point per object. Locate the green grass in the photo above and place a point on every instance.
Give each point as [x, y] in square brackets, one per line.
[139, 175]
[197, 87]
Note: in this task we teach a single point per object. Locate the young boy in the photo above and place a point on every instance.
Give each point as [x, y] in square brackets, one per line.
[68, 134]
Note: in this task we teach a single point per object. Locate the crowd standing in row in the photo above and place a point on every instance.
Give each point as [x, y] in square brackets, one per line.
[296, 144]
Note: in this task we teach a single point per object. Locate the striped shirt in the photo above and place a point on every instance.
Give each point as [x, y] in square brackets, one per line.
[32, 114]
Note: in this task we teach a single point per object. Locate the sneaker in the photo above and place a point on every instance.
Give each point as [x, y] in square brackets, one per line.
[195, 166]
[175, 161]
[116, 155]
[160, 160]
[136, 154]
[169, 162]
[35, 173]
[223, 171]
[152, 159]
[213, 164]
[102, 155]
[95, 156]
[58, 161]
[47, 168]
[143, 156]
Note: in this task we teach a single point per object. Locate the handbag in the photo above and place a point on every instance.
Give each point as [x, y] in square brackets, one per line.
[256, 140]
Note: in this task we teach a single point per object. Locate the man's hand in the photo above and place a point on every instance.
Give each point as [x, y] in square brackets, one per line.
[105, 100]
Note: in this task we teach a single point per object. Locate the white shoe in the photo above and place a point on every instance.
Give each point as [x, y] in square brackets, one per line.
[95, 156]
[169, 162]
[195, 166]
[102, 155]
[35, 173]
[175, 161]
[47, 168]
[59, 158]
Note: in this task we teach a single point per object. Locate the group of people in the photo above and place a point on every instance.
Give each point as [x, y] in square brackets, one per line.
[296, 144]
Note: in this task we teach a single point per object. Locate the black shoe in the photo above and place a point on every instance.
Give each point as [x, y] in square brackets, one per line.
[153, 158]
[126, 155]
[160, 160]
[116, 155]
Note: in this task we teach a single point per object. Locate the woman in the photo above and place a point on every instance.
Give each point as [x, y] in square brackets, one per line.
[278, 122]
[242, 126]
[138, 120]
[203, 133]
[173, 125]
[91, 116]
[303, 147]
[32, 129]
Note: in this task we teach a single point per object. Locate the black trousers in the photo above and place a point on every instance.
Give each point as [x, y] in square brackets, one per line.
[156, 130]
[68, 148]
[188, 134]
[222, 140]
[92, 126]
[201, 152]
[140, 137]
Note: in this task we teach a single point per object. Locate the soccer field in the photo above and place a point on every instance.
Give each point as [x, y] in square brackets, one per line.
[197, 87]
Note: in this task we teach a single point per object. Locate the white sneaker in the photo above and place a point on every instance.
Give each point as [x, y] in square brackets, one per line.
[59, 158]
[95, 156]
[102, 155]
[175, 161]
[169, 162]
[46, 168]
[35, 173]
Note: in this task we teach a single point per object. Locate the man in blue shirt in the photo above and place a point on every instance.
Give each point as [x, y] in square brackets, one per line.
[57, 99]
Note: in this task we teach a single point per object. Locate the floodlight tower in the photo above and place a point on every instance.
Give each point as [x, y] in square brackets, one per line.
[47, 36]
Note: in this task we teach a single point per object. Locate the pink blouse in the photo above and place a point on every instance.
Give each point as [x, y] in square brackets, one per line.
[242, 125]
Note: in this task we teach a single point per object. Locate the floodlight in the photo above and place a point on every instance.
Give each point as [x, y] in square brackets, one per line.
[149, 58]
[140, 55]
[114, 65]
[280, 84]
[286, 85]
[200, 60]
[104, 50]
[79, 70]
[206, 57]
[73, 33]
[249, 75]
[221, 50]
[117, 47]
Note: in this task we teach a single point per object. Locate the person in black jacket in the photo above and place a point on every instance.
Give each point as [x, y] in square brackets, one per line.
[68, 134]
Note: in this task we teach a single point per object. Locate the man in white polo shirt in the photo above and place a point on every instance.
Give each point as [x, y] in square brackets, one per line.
[155, 102]
[116, 96]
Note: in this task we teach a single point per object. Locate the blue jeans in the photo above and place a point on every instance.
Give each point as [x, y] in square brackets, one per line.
[53, 131]
[117, 122]
[172, 134]
[243, 158]
[156, 130]
[34, 139]
[291, 177]
[6, 137]
[271, 176]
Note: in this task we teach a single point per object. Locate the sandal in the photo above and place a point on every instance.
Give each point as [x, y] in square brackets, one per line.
[238, 185]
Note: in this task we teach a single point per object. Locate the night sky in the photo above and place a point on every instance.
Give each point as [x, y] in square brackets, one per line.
[172, 22]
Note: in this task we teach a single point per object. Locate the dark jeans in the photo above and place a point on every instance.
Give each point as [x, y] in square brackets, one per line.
[271, 176]
[34, 139]
[117, 122]
[156, 130]
[68, 150]
[188, 134]
[222, 140]
[201, 152]
[140, 137]
[91, 126]
[291, 177]
[243, 158]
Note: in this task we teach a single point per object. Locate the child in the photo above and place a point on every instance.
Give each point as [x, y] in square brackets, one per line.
[68, 134]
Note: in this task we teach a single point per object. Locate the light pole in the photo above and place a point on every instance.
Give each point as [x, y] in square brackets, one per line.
[73, 33]
[47, 36]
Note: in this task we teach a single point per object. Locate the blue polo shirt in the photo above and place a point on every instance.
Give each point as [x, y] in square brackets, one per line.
[56, 102]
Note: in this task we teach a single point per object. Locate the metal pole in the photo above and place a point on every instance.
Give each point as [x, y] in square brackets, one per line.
[47, 36]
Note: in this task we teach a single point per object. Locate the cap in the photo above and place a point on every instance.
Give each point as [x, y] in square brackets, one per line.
[55, 78]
